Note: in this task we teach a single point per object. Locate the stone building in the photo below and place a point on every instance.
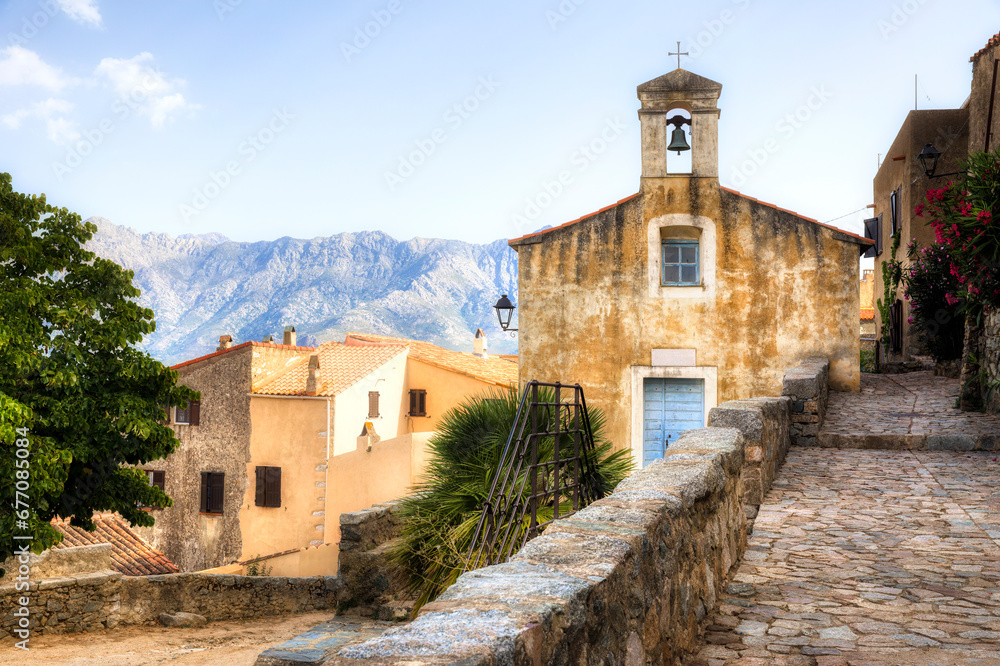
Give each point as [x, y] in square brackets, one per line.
[686, 294]
[286, 438]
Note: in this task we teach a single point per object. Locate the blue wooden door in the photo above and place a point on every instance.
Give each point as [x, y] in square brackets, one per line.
[670, 406]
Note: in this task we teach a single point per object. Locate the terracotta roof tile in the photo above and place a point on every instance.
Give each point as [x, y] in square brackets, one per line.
[867, 313]
[994, 40]
[265, 345]
[492, 369]
[130, 555]
[341, 366]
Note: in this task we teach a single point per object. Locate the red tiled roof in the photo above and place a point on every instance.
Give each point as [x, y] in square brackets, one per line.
[867, 313]
[341, 366]
[579, 219]
[801, 217]
[492, 369]
[994, 40]
[130, 555]
[268, 345]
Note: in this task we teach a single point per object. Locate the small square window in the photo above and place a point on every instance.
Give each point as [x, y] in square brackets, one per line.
[680, 263]
[182, 415]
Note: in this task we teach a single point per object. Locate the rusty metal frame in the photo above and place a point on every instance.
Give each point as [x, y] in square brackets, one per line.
[547, 461]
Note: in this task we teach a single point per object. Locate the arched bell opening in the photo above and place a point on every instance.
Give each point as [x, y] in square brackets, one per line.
[678, 137]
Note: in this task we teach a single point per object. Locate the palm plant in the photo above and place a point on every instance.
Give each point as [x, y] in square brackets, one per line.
[440, 518]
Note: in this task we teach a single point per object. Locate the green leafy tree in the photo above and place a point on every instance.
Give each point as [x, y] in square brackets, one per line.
[439, 519]
[79, 404]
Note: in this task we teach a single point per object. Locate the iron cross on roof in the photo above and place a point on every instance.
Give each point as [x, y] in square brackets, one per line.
[679, 54]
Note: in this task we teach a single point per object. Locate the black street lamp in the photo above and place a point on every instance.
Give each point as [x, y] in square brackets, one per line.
[505, 310]
[929, 157]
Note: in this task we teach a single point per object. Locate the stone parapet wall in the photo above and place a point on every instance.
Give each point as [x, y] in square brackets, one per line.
[808, 387]
[765, 424]
[106, 599]
[369, 580]
[629, 579]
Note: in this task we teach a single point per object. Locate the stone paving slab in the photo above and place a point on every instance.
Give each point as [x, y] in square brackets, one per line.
[868, 557]
[320, 642]
[910, 411]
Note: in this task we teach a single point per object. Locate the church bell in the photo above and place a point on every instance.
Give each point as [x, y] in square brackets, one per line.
[678, 141]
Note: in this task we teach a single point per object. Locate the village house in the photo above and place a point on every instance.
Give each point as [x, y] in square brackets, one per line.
[868, 328]
[686, 294]
[286, 438]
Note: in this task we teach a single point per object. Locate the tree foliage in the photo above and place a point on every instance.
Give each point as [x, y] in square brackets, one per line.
[439, 519]
[74, 390]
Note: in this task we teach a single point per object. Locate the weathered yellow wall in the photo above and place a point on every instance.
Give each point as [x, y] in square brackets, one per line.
[445, 390]
[785, 289]
[289, 433]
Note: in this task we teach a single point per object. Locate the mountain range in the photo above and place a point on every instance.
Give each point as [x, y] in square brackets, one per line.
[203, 286]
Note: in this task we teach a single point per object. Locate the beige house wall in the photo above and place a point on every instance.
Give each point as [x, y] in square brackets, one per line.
[445, 390]
[290, 433]
[351, 406]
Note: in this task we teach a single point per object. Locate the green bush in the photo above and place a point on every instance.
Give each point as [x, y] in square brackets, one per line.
[439, 520]
[937, 314]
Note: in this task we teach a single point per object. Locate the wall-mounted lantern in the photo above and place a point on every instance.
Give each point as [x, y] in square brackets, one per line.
[505, 310]
[929, 157]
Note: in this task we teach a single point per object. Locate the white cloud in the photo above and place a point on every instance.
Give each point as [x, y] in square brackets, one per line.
[144, 88]
[21, 67]
[82, 11]
[53, 111]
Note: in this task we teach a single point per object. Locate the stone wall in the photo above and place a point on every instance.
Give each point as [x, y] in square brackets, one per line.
[370, 585]
[991, 360]
[104, 599]
[765, 425]
[808, 387]
[628, 580]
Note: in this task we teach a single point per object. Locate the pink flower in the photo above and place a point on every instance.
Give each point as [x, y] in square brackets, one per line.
[984, 215]
[951, 299]
[919, 211]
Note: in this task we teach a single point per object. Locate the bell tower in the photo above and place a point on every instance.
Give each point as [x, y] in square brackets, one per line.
[661, 99]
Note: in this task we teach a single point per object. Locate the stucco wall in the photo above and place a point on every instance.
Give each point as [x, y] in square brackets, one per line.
[445, 390]
[221, 443]
[979, 101]
[290, 433]
[785, 289]
[351, 406]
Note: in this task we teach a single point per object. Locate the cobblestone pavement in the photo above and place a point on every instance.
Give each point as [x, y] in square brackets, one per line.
[868, 557]
[915, 404]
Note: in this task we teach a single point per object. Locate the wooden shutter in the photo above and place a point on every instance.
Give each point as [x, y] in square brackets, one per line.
[217, 486]
[204, 492]
[422, 403]
[373, 404]
[259, 496]
[413, 403]
[878, 238]
[871, 233]
[272, 482]
[894, 211]
[159, 479]
[194, 412]
[896, 327]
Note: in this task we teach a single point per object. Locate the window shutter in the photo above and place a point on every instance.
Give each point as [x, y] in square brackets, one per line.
[878, 239]
[373, 404]
[159, 480]
[260, 498]
[422, 400]
[894, 212]
[194, 416]
[204, 492]
[413, 403]
[871, 233]
[273, 485]
[217, 486]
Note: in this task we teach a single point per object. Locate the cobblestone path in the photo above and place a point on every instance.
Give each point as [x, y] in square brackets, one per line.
[913, 410]
[868, 557]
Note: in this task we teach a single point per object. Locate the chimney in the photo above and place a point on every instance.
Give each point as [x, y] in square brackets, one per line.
[269, 339]
[225, 342]
[289, 336]
[315, 379]
[479, 344]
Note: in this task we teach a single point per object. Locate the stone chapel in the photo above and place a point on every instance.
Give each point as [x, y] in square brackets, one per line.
[686, 294]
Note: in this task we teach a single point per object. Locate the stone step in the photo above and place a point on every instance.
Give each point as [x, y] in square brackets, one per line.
[910, 442]
[320, 642]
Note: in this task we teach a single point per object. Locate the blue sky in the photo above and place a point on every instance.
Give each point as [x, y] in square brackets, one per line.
[260, 119]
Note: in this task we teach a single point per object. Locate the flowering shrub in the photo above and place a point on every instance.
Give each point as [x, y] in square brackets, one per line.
[964, 217]
[930, 285]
